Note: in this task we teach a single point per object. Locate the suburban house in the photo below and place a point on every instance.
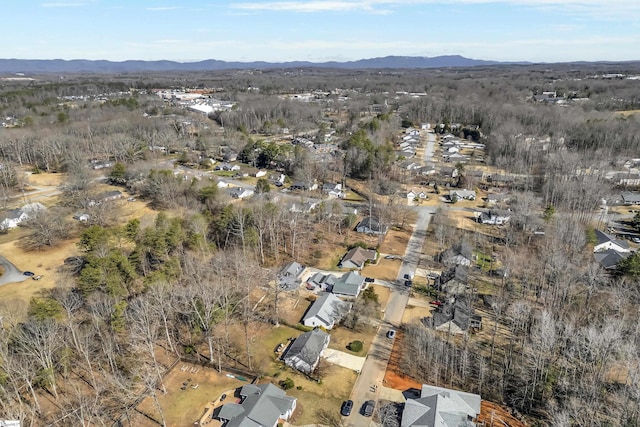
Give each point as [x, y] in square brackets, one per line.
[333, 191]
[454, 317]
[14, 217]
[493, 217]
[438, 406]
[371, 225]
[260, 405]
[240, 192]
[606, 241]
[322, 281]
[222, 184]
[325, 311]
[106, 196]
[609, 258]
[349, 284]
[304, 207]
[303, 186]
[462, 195]
[494, 198]
[304, 353]
[260, 173]
[289, 275]
[357, 258]
[629, 198]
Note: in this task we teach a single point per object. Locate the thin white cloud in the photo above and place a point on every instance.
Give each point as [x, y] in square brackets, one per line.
[592, 8]
[162, 8]
[64, 4]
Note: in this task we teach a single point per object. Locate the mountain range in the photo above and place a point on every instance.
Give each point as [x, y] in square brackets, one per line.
[36, 66]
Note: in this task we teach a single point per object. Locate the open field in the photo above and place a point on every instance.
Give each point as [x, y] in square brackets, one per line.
[385, 269]
[341, 337]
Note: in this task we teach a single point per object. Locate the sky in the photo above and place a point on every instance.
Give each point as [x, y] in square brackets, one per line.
[320, 30]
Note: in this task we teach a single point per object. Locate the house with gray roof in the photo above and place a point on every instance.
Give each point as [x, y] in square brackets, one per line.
[349, 284]
[325, 311]
[610, 258]
[322, 281]
[289, 274]
[371, 226]
[630, 198]
[442, 407]
[261, 406]
[304, 354]
[462, 195]
[357, 258]
[606, 241]
[13, 217]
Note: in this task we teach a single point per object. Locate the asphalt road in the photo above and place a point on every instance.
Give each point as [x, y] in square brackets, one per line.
[369, 382]
[428, 151]
[11, 273]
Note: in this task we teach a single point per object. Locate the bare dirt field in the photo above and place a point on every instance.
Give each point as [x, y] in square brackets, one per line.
[181, 407]
[493, 414]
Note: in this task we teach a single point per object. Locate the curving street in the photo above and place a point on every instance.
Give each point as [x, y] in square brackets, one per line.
[11, 273]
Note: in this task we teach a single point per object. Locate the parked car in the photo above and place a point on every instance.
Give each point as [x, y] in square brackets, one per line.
[223, 397]
[29, 273]
[391, 333]
[408, 283]
[436, 303]
[433, 276]
[347, 405]
[369, 279]
[38, 277]
[368, 408]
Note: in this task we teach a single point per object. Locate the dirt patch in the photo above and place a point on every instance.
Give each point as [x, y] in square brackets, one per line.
[492, 414]
[189, 391]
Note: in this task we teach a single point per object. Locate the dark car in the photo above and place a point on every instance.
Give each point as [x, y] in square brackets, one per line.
[223, 397]
[368, 408]
[369, 279]
[29, 273]
[391, 333]
[408, 283]
[347, 405]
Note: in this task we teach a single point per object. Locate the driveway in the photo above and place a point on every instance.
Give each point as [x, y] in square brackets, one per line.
[343, 359]
[11, 273]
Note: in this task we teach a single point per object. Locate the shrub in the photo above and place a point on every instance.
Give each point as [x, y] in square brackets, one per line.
[287, 383]
[355, 346]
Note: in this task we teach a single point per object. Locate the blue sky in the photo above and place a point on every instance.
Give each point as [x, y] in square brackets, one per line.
[320, 30]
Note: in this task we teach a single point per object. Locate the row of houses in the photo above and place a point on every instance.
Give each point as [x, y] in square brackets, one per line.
[408, 145]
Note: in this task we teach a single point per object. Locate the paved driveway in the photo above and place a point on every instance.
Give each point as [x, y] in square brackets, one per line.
[343, 359]
[11, 273]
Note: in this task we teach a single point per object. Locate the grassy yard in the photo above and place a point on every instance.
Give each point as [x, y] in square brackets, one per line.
[265, 359]
[183, 407]
[341, 337]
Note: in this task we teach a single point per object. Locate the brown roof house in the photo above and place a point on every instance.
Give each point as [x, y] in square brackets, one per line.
[357, 258]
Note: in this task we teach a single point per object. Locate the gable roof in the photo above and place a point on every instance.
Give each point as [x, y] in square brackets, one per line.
[349, 284]
[439, 406]
[307, 347]
[262, 406]
[359, 256]
[610, 258]
[371, 224]
[603, 238]
[327, 309]
[630, 198]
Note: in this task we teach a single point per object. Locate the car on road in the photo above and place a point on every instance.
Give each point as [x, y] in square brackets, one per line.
[367, 409]
[408, 283]
[29, 273]
[391, 333]
[436, 303]
[347, 406]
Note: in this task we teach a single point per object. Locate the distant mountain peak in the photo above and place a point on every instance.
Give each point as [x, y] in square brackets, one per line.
[35, 66]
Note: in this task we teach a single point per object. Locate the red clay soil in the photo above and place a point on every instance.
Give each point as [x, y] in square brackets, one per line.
[491, 413]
